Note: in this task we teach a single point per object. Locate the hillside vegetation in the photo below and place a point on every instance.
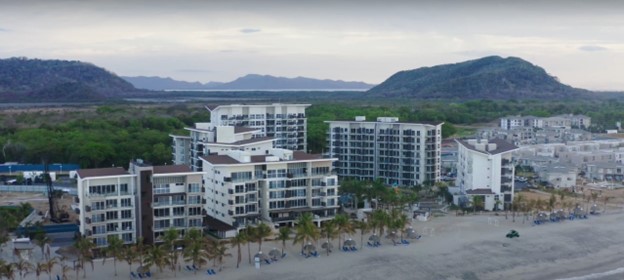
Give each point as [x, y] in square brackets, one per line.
[35, 80]
[490, 77]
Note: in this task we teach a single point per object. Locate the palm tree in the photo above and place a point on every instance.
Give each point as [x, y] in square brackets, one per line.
[341, 221]
[129, 255]
[39, 268]
[305, 230]
[8, 271]
[194, 248]
[250, 232]
[219, 251]
[283, 235]
[49, 266]
[364, 228]
[237, 241]
[156, 256]
[114, 249]
[85, 252]
[42, 240]
[139, 247]
[170, 237]
[380, 220]
[65, 270]
[24, 267]
[262, 231]
[330, 231]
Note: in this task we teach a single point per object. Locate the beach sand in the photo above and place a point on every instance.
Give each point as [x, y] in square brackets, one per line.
[465, 247]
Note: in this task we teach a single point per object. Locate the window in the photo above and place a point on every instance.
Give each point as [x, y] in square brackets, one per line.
[194, 187]
[111, 203]
[161, 224]
[161, 212]
[126, 214]
[126, 226]
[179, 222]
[194, 211]
[126, 202]
[97, 205]
[123, 188]
[112, 227]
[127, 237]
[111, 215]
[195, 222]
[178, 211]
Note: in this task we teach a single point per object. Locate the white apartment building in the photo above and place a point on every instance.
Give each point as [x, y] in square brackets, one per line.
[206, 139]
[107, 199]
[143, 201]
[171, 197]
[566, 121]
[245, 187]
[287, 123]
[399, 153]
[485, 168]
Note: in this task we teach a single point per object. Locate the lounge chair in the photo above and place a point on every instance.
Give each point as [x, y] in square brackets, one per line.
[134, 276]
[148, 274]
[283, 255]
[208, 271]
[213, 271]
[315, 254]
[353, 249]
[58, 277]
[267, 261]
[405, 242]
[188, 268]
[140, 275]
[370, 244]
[195, 268]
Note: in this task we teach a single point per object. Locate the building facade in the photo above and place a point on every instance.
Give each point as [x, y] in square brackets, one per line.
[398, 153]
[485, 168]
[143, 201]
[286, 123]
[244, 187]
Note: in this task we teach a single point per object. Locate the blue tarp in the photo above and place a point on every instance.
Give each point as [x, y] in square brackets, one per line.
[56, 167]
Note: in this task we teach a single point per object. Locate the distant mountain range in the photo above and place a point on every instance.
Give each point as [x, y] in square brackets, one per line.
[36, 80]
[248, 82]
[491, 77]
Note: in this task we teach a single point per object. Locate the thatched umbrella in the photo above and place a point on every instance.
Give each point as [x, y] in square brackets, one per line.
[374, 238]
[275, 253]
[392, 236]
[327, 244]
[309, 249]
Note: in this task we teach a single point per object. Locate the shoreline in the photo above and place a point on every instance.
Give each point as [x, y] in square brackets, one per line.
[451, 247]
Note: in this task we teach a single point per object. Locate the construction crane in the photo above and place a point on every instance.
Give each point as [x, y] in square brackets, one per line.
[56, 215]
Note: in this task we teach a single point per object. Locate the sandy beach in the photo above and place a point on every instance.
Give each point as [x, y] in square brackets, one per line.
[464, 247]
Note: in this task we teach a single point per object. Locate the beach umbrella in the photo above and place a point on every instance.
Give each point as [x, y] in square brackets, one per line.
[275, 253]
[392, 235]
[261, 256]
[349, 243]
[309, 248]
[327, 244]
[374, 238]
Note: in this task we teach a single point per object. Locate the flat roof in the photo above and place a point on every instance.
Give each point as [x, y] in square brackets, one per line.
[297, 156]
[248, 141]
[101, 172]
[212, 107]
[242, 129]
[501, 146]
[421, 123]
[163, 169]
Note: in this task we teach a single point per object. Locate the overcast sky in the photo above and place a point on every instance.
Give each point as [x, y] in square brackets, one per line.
[579, 41]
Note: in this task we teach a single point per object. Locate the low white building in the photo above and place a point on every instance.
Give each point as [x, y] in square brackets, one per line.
[558, 176]
[485, 169]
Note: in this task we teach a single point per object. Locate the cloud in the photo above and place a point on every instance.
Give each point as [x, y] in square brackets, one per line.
[250, 30]
[590, 48]
[3, 29]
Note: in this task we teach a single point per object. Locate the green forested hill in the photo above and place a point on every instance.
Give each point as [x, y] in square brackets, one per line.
[23, 79]
[490, 77]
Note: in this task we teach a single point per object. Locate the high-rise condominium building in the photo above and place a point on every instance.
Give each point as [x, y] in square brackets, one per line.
[485, 168]
[244, 187]
[398, 153]
[143, 201]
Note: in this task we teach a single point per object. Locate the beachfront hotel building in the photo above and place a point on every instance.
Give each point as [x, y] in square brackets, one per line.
[286, 123]
[485, 168]
[280, 125]
[398, 153]
[107, 201]
[143, 201]
[276, 185]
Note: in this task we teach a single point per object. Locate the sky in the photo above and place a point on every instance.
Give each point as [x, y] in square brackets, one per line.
[580, 42]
